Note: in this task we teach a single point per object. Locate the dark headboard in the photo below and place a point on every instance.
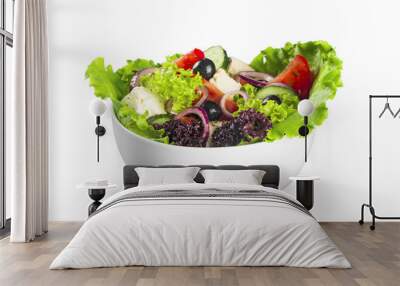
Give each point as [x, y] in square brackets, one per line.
[271, 177]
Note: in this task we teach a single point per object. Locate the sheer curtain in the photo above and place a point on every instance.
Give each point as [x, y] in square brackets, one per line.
[28, 158]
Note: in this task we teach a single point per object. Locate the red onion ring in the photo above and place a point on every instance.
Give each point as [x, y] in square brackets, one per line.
[204, 95]
[257, 79]
[229, 95]
[202, 114]
[136, 78]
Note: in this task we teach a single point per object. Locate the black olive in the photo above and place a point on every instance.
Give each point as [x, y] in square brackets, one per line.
[212, 109]
[275, 98]
[205, 68]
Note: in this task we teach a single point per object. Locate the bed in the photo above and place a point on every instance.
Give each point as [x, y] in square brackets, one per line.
[198, 224]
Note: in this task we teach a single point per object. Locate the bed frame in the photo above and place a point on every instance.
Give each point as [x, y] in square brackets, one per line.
[270, 179]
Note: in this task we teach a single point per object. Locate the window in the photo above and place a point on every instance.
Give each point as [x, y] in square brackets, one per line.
[6, 44]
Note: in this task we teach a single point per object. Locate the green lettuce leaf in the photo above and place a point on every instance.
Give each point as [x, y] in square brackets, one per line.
[126, 72]
[326, 68]
[114, 85]
[173, 83]
[273, 60]
[105, 82]
[288, 127]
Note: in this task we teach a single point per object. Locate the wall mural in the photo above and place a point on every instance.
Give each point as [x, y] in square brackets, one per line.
[209, 98]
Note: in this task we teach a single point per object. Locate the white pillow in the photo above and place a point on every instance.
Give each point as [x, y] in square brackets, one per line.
[164, 176]
[247, 177]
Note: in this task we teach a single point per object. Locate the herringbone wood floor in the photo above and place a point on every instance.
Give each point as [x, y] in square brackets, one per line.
[375, 257]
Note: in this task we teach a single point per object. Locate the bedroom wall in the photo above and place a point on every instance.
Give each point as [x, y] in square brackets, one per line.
[363, 32]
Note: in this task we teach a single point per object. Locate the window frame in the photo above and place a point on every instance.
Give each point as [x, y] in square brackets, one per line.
[6, 39]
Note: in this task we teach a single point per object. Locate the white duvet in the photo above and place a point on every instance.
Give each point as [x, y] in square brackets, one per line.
[200, 231]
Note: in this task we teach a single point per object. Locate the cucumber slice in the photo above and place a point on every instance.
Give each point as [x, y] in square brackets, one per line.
[274, 90]
[218, 55]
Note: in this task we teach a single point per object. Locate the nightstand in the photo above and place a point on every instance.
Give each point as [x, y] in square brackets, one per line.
[96, 193]
[305, 190]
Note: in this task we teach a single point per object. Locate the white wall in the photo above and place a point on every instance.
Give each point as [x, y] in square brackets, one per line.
[364, 33]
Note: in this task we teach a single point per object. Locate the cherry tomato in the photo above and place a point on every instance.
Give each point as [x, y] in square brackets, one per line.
[297, 75]
[188, 60]
[231, 106]
[214, 94]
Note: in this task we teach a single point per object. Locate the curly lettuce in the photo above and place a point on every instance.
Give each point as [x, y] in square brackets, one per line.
[174, 84]
[326, 68]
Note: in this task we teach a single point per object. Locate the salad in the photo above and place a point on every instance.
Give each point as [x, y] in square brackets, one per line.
[208, 98]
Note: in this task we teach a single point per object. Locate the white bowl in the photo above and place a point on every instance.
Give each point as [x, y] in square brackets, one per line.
[287, 153]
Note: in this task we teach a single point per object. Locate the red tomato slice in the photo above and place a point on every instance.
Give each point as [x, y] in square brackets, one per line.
[214, 94]
[297, 75]
[231, 105]
[188, 60]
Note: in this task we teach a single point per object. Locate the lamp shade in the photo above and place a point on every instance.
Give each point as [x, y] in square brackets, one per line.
[97, 107]
[305, 107]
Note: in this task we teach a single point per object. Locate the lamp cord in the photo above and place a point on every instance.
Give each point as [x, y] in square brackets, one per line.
[98, 137]
[305, 148]
[305, 137]
[98, 145]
